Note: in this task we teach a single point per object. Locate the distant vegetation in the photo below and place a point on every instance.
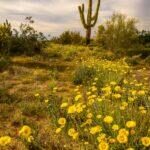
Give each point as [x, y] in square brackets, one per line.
[26, 40]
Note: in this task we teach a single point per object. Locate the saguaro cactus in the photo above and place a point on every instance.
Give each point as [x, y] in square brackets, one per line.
[91, 20]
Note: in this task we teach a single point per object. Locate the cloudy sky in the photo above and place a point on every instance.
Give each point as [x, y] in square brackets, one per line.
[55, 16]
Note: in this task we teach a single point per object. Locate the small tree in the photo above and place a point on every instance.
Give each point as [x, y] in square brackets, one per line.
[91, 20]
[118, 32]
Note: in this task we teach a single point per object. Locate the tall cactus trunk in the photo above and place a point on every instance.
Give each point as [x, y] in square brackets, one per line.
[91, 19]
[88, 36]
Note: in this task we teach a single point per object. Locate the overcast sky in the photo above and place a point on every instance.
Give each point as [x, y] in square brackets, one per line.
[55, 16]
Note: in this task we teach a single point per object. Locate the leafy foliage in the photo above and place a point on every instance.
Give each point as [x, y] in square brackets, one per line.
[26, 40]
[118, 32]
[68, 37]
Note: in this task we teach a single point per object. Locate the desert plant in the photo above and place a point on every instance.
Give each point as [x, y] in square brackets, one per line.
[83, 74]
[68, 37]
[118, 32]
[5, 37]
[91, 20]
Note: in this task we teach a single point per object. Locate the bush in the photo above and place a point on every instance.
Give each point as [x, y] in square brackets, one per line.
[118, 32]
[83, 74]
[26, 40]
[68, 37]
[145, 52]
[4, 62]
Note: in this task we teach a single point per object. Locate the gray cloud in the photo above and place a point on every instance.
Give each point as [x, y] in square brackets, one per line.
[55, 16]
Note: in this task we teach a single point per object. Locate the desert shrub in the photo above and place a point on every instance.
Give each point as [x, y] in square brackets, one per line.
[83, 74]
[5, 37]
[145, 52]
[118, 32]
[68, 37]
[26, 40]
[4, 62]
[134, 60]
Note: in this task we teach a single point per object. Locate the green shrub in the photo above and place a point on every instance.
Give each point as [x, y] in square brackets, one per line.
[135, 60]
[26, 40]
[83, 74]
[68, 37]
[145, 52]
[4, 62]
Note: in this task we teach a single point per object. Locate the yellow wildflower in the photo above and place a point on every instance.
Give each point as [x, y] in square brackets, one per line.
[108, 119]
[25, 131]
[122, 138]
[5, 140]
[130, 124]
[62, 121]
[78, 97]
[145, 141]
[58, 130]
[115, 127]
[96, 129]
[103, 145]
[63, 105]
[123, 132]
[71, 132]
[71, 109]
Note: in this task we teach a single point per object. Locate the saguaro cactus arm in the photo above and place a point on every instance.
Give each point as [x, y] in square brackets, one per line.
[81, 12]
[95, 17]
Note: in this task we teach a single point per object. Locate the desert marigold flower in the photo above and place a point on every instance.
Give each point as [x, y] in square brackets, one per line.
[71, 132]
[122, 138]
[58, 130]
[141, 92]
[25, 131]
[101, 137]
[143, 111]
[5, 140]
[37, 95]
[75, 136]
[115, 127]
[130, 124]
[89, 115]
[62, 121]
[117, 96]
[46, 101]
[78, 97]
[30, 139]
[123, 132]
[117, 88]
[96, 129]
[63, 105]
[103, 145]
[71, 109]
[108, 119]
[125, 104]
[145, 141]
[99, 116]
